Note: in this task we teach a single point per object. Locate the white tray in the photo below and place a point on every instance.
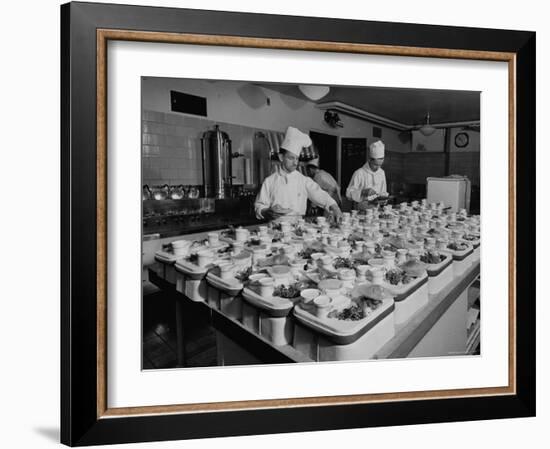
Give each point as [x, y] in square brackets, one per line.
[274, 305]
[167, 257]
[230, 286]
[191, 270]
[343, 331]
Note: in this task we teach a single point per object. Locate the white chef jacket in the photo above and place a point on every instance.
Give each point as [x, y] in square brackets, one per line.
[291, 191]
[365, 178]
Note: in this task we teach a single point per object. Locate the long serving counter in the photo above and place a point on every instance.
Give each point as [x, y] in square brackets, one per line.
[437, 329]
[423, 312]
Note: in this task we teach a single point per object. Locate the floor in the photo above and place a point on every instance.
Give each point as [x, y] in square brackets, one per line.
[159, 335]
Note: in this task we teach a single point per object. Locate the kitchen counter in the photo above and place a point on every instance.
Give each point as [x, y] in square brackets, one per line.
[431, 331]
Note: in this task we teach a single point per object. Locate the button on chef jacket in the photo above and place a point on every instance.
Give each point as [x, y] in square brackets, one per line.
[365, 178]
[290, 190]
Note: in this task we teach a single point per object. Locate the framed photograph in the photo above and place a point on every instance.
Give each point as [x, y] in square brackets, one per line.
[278, 224]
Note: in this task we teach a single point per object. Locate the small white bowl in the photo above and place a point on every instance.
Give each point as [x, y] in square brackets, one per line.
[323, 304]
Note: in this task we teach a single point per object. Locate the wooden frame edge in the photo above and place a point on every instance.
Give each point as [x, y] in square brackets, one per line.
[101, 223]
[103, 36]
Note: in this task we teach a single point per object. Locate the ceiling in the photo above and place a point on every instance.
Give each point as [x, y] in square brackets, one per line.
[407, 106]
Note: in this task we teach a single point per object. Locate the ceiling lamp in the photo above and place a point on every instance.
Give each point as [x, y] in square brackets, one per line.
[314, 92]
[427, 129]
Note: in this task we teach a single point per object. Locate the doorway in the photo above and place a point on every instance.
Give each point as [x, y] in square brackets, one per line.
[327, 146]
[354, 156]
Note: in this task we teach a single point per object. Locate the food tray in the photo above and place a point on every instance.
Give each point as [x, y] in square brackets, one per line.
[167, 259]
[231, 286]
[274, 306]
[461, 260]
[270, 315]
[409, 298]
[439, 278]
[191, 270]
[403, 291]
[434, 269]
[191, 280]
[224, 295]
[343, 332]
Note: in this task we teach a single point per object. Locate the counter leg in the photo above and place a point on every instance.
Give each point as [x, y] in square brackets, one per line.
[180, 333]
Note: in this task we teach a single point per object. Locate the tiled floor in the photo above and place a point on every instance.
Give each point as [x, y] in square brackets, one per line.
[159, 336]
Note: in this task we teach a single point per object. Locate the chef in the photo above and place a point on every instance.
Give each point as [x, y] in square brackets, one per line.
[285, 192]
[324, 179]
[369, 182]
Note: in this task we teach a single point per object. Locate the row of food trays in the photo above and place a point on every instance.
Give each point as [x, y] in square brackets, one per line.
[332, 291]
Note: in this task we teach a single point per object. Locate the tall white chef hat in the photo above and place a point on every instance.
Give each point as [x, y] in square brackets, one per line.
[376, 149]
[295, 141]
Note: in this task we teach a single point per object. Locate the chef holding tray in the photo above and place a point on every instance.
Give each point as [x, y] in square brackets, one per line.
[285, 192]
[368, 183]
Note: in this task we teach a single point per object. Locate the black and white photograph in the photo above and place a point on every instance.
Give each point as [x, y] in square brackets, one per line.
[290, 223]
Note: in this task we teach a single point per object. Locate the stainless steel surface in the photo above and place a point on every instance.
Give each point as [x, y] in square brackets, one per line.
[216, 163]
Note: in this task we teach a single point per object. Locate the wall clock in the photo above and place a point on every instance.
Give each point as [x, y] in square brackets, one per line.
[461, 140]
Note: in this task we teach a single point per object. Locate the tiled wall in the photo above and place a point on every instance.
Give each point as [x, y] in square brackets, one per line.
[465, 164]
[414, 168]
[171, 149]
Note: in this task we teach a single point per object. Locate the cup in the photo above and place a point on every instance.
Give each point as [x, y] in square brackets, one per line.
[226, 270]
[213, 238]
[181, 247]
[322, 304]
[347, 276]
[241, 234]
[237, 247]
[204, 258]
[402, 255]
[377, 275]
[266, 287]
[362, 272]
[326, 261]
[307, 296]
[330, 287]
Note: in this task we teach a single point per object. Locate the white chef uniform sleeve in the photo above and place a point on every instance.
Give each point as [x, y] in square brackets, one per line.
[262, 199]
[355, 187]
[384, 188]
[317, 195]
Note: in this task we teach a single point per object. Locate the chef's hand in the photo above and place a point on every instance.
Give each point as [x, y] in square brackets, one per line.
[336, 213]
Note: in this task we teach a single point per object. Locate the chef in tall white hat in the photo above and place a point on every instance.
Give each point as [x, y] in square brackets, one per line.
[369, 182]
[285, 192]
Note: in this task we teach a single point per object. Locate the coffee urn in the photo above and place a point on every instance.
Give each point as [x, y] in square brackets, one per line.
[216, 164]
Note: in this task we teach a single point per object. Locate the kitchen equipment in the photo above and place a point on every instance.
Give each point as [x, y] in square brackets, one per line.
[216, 163]
[454, 191]
[160, 192]
[177, 192]
[146, 195]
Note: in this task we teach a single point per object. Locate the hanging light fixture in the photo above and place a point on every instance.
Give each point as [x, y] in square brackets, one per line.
[427, 129]
[314, 92]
